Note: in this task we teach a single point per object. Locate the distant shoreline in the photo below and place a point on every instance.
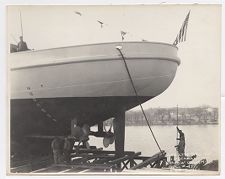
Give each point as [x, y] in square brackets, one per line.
[203, 115]
[175, 125]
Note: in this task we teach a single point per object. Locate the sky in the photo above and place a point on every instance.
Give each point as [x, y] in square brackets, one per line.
[197, 81]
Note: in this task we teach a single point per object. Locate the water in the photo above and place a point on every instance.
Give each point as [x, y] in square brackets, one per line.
[202, 140]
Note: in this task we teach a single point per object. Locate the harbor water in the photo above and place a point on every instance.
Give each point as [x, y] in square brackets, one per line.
[202, 140]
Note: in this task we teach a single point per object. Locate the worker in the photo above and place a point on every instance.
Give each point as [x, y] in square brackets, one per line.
[181, 146]
[76, 130]
[56, 150]
[83, 138]
[67, 150]
[80, 133]
[22, 46]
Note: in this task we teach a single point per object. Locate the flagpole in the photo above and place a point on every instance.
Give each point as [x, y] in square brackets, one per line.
[21, 25]
[177, 115]
[186, 26]
[177, 133]
[181, 36]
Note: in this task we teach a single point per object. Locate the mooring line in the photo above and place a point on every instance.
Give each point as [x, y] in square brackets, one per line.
[137, 97]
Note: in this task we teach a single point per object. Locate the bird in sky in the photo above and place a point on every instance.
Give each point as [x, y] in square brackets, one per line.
[101, 23]
[78, 13]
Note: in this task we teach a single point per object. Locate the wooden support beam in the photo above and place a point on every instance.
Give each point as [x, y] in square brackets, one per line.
[86, 166]
[154, 158]
[119, 132]
[126, 157]
[143, 158]
[101, 157]
[85, 170]
[82, 150]
[101, 151]
[103, 160]
[100, 127]
[125, 165]
[132, 163]
[118, 161]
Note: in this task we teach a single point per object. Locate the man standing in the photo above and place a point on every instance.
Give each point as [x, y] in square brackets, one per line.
[56, 150]
[22, 46]
[66, 150]
[181, 146]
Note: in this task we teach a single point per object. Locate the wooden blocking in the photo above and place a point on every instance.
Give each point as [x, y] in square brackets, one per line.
[154, 159]
[119, 132]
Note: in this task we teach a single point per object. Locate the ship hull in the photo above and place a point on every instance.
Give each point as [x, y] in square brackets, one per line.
[90, 110]
[48, 88]
[65, 73]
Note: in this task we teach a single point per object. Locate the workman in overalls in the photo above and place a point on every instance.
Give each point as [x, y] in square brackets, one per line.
[67, 150]
[22, 46]
[181, 146]
[56, 150]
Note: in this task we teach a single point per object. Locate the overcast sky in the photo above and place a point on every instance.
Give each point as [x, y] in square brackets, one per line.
[197, 81]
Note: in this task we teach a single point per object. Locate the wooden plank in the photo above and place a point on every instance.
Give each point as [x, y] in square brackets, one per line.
[125, 165]
[84, 159]
[53, 169]
[85, 170]
[39, 170]
[64, 171]
[104, 160]
[141, 158]
[100, 150]
[126, 157]
[152, 159]
[92, 167]
[84, 150]
[84, 166]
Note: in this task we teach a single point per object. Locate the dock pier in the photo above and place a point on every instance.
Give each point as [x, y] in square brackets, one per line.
[91, 161]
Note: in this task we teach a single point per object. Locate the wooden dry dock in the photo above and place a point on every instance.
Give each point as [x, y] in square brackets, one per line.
[95, 160]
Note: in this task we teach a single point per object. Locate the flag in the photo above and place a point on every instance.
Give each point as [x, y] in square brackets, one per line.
[123, 34]
[181, 36]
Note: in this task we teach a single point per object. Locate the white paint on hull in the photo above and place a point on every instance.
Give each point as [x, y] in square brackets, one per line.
[93, 70]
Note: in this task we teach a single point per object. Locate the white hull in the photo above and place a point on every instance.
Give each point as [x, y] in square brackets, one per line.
[93, 70]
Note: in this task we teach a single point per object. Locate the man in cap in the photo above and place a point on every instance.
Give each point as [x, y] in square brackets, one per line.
[181, 146]
[22, 46]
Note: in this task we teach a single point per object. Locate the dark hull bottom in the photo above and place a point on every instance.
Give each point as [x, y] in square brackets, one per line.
[53, 117]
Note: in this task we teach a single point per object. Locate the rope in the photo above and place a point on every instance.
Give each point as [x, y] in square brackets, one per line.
[177, 136]
[138, 100]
